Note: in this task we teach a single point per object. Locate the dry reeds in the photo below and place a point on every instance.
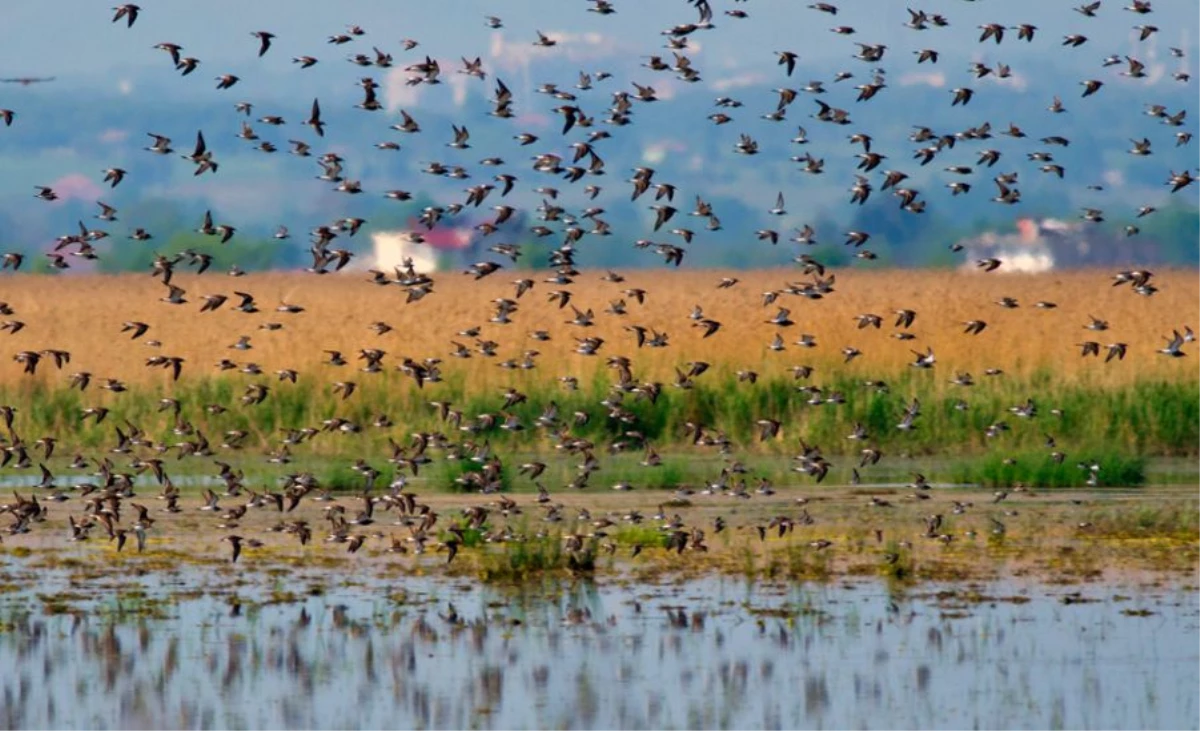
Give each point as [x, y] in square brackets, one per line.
[84, 315]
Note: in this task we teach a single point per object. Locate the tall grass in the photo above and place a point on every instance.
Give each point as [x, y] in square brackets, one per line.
[1160, 418]
[1039, 470]
[83, 314]
[1144, 405]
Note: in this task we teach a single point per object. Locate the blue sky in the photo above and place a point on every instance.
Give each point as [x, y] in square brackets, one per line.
[115, 70]
[74, 40]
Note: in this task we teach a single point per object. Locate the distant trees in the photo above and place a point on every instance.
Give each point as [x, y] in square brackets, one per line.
[1176, 231]
[250, 255]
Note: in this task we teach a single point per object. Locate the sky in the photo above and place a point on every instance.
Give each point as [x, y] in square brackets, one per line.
[117, 69]
[73, 40]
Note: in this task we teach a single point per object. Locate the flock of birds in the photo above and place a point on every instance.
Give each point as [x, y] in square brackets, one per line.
[108, 502]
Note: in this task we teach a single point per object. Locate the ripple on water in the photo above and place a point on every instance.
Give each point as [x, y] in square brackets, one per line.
[429, 653]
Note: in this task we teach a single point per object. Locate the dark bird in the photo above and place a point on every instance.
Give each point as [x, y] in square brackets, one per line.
[264, 41]
[314, 119]
[128, 11]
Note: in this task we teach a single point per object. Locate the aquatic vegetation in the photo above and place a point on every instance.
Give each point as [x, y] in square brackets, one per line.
[898, 563]
[1041, 470]
[1138, 418]
[534, 558]
[805, 562]
[1157, 521]
[638, 535]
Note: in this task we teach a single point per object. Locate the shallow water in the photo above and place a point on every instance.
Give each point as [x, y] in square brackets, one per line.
[204, 649]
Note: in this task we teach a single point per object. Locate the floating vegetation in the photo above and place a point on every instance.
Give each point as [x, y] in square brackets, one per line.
[534, 558]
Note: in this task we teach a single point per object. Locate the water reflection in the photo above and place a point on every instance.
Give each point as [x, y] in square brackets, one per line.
[432, 654]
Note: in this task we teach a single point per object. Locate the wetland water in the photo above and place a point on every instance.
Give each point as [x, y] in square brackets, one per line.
[211, 649]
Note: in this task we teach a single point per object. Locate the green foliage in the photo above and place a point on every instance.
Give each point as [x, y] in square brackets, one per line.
[517, 561]
[638, 535]
[1039, 470]
[339, 476]
[471, 537]
[451, 475]
[1145, 418]
[1174, 230]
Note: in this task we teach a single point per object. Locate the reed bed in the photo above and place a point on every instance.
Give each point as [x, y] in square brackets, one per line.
[83, 314]
[1145, 404]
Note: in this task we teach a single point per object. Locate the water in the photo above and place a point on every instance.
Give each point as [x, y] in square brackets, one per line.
[196, 649]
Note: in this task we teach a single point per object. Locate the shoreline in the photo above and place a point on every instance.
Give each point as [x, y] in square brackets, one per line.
[1052, 538]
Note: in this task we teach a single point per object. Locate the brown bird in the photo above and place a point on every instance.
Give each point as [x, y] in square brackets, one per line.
[128, 11]
[236, 543]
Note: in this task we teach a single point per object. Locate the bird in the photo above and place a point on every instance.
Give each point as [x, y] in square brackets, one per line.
[128, 11]
[314, 119]
[114, 176]
[264, 41]
[1174, 343]
[235, 543]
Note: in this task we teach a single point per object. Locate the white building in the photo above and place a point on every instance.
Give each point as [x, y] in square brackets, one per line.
[1042, 245]
[391, 248]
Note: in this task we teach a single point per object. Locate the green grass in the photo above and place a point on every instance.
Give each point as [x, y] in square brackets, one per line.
[635, 535]
[471, 537]
[1039, 470]
[1146, 418]
[340, 477]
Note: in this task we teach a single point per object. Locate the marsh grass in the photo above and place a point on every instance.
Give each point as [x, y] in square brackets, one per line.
[452, 476]
[53, 604]
[900, 570]
[673, 472]
[471, 537]
[1147, 417]
[1165, 522]
[1119, 412]
[137, 600]
[337, 316]
[802, 562]
[339, 477]
[534, 558]
[638, 535]
[1040, 470]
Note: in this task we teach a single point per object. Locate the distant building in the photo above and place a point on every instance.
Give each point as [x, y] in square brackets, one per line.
[1042, 245]
[439, 248]
[391, 248]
